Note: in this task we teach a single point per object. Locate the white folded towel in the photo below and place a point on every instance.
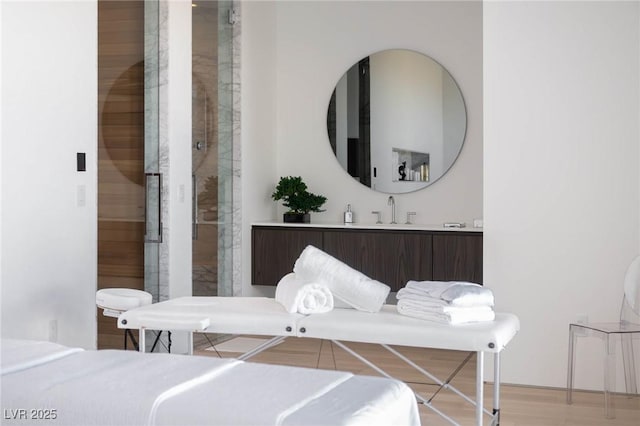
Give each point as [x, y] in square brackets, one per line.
[455, 293]
[407, 293]
[346, 284]
[303, 297]
[445, 314]
[426, 301]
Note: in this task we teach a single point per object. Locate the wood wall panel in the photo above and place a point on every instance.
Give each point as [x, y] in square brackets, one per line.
[120, 153]
[112, 337]
[119, 134]
[120, 254]
[205, 248]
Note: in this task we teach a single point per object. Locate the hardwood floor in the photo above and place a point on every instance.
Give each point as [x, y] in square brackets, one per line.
[521, 406]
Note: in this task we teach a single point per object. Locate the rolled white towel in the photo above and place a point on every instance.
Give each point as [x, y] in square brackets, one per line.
[339, 304]
[346, 284]
[455, 293]
[445, 314]
[303, 297]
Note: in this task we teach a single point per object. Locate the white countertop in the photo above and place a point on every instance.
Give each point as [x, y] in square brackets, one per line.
[399, 226]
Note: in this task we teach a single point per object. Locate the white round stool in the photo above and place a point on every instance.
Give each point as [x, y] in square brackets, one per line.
[115, 301]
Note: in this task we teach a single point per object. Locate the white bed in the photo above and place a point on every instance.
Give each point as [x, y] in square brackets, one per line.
[265, 316]
[46, 383]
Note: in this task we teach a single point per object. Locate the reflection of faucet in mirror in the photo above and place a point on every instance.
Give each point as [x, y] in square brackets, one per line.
[392, 203]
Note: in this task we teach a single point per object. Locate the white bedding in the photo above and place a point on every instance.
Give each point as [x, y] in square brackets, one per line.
[19, 355]
[130, 388]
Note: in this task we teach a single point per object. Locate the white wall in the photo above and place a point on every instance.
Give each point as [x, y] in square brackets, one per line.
[178, 133]
[49, 110]
[293, 55]
[561, 164]
[258, 106]
[1, 145]
[178, 129]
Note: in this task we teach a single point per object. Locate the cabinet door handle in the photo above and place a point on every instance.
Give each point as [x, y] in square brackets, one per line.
[153, 208]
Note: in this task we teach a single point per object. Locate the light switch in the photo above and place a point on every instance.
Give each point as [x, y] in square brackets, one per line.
[82, 195]
[81, 162]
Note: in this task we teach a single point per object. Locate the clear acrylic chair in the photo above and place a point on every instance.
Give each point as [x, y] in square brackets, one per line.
[610, 332]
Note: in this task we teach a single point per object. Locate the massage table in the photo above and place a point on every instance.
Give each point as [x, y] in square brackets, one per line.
[265, 316]
[46, 383]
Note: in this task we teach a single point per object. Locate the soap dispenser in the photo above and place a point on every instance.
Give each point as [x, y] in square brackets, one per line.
[348, 215]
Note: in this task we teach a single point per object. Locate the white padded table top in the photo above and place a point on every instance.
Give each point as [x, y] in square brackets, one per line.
[391, 328]
[233, 315]
[265, 316]
[122, 299]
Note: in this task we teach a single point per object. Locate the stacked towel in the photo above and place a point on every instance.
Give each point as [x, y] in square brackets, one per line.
[297, 295]
[346, 284]
[452, 302]
[455, 293]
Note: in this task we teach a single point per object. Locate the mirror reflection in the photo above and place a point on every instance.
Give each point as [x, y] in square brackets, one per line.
[396, 121]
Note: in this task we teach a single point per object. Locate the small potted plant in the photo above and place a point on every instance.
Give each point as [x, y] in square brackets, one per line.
[294, 195]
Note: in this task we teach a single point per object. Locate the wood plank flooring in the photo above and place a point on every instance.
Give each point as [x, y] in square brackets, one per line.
[521, 406]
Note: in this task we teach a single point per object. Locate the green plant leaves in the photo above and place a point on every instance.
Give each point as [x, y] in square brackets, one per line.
[294, 195]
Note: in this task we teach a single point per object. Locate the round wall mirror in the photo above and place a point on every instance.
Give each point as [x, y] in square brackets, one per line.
[396, 121]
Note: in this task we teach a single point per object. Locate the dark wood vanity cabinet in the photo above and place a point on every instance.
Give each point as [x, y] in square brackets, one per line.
[457, 257]
[275, 250]
[390, 256]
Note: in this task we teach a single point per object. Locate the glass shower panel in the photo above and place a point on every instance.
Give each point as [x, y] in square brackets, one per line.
[153, 178]
[204, 147]
[211, 137]
[226, 122]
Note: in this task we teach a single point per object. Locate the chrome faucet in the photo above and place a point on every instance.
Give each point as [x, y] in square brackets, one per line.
[392, 203]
